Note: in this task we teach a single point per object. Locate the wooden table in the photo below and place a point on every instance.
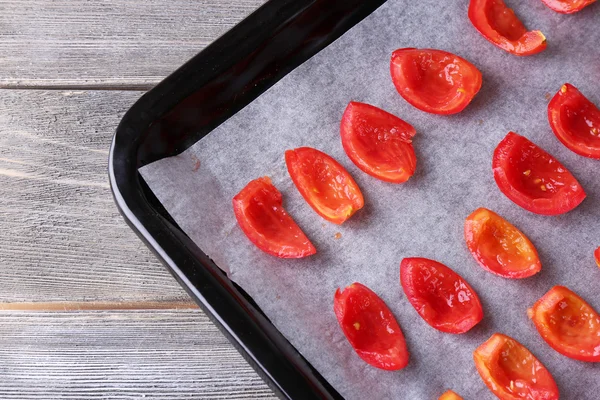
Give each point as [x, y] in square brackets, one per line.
[86, 311]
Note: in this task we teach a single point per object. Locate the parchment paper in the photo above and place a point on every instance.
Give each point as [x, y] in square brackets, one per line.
[423, 217]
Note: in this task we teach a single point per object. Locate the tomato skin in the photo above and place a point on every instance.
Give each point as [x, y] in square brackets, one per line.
[533, 179]
[499, 247]
[568, 324]
[378, 143]
[447, 303]
[511, 372]
[500, 26]
[421, 78]
[450, 395]
[567, 6]
[575, 121]
[370, 327]
[597, 256]
[325, 185]
[259, 212]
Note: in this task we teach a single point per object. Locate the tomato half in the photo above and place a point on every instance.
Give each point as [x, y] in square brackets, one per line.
[441, 296]
[259, 212]
[597, 256]
[568, 324]
[450, 395]
[434, 81]
[370, 327]
[567, 6]
[378, 142]
[511, 372]
[575, 121]
[500, 26]
[499, 247]
[533, 179]
[325, 185]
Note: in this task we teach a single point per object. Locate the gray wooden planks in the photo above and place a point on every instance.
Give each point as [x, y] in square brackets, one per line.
[62, 237]
[153, 354]
[107, 43]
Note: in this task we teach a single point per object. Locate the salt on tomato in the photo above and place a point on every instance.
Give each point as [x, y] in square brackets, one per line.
[511, 372]
[567, 6]
[440, 296]
[568, 324]
[378, 142]
[450, 395]
[259, 211]
[500, 26]
[499, 247]
[533, 179]
[370, 327]
[434, 81]
[325, 185]
[575, 121]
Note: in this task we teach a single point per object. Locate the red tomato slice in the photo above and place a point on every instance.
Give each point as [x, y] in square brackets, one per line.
[511, 372]
[533, 179]
[567, 6]
[499, 247]
[259, 212]
[450, 395]
[568, 324]
[370, 327]
[441, 297]
[325, 185]
[378, 142]
[575, 121]
[597, 256]
[434, 81]
[499, 25]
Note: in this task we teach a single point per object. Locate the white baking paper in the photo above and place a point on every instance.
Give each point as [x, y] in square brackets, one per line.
[421, 218]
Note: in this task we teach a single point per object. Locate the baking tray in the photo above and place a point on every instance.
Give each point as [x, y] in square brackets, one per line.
[186, 106]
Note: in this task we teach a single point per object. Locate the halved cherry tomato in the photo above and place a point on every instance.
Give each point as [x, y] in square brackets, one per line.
[434, 81]
[567, 6]
[450, 395]
[370, 327]
[499, 25]
[568, 324]
[378, 142]
[575, 121]
[533, 179]
[259, 212]
[325, 185]
[511, 372]
[499, 247]
[441, 297]
[597, 256]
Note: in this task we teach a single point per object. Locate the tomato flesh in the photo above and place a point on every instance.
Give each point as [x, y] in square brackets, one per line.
[378, 142]
[370, 327]
[575, 121]
[499, 247]
[597, 256]
[434, 81]
[533, 179]
[450, 395]
[500, 26]
[259, 212]
[511, 372]
[440, 296]
[325, 185]
[567, 6]
[568, 324]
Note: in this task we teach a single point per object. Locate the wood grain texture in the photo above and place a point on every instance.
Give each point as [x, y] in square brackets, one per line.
[121, 355]
[107, 43]
[62, 238]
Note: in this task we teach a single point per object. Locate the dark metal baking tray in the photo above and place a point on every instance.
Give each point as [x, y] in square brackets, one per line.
[186, 106]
